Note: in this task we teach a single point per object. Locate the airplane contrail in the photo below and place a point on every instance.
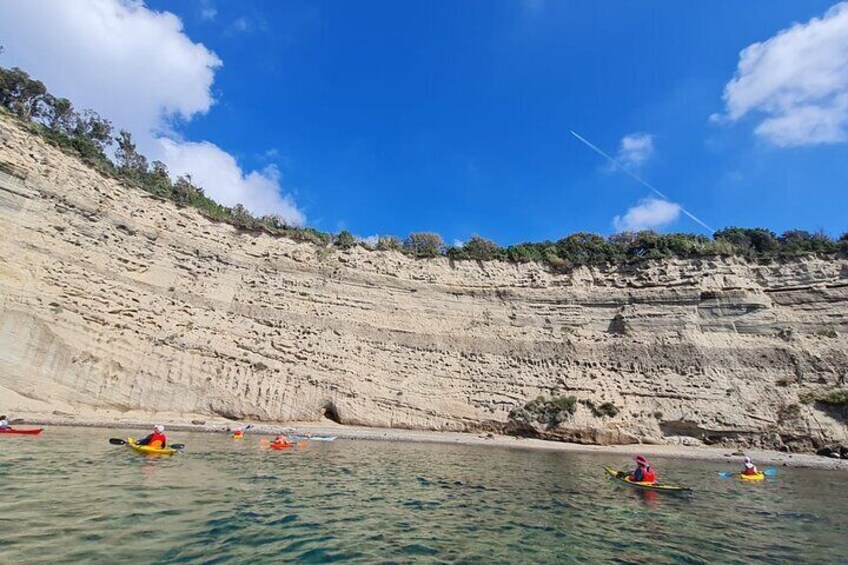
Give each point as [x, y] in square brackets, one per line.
[636, 178]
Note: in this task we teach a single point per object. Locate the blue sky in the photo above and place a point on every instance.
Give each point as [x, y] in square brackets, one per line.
[454, 117]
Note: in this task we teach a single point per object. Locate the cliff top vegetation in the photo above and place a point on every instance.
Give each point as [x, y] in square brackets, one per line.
[90, 137]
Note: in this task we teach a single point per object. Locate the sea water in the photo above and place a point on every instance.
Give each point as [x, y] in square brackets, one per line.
[68, 496]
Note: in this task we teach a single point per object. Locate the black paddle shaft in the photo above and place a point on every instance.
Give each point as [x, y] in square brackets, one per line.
[119, 441]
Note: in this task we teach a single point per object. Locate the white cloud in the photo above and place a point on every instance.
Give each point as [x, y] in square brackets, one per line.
[797, 81]
[208, 11]
[138, 68]
[131, 64]
[635, 150]
[650, 213]
[223, 180]
[242, 25]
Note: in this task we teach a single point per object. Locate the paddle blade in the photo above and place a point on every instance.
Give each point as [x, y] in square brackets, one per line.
[177, 446]
[726, 475]
[770, 472]
[117, 441]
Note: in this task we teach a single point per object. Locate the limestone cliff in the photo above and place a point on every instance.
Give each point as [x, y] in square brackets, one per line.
[111, 298]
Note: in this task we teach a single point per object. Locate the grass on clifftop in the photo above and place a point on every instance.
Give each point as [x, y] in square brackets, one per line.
[87, 136]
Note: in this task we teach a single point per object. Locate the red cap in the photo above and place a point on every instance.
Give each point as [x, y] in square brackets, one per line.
[641, 460]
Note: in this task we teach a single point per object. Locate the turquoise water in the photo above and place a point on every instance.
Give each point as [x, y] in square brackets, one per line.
[68, 496]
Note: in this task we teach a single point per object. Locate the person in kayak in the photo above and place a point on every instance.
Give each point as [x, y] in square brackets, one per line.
[643, 473]
[238, 432]
[281, 441]
[156, 439]
[4, 423]
[749, 468]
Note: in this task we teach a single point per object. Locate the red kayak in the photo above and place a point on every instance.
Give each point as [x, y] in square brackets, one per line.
[33, 432]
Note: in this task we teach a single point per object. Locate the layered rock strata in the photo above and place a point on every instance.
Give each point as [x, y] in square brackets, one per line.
[111, 298]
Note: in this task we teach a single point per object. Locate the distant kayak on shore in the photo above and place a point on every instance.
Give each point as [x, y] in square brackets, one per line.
[30, 432]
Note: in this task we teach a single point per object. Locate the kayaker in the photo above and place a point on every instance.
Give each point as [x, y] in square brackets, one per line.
[238, 432]
[156, 439]
[643, 473]
[749, 468]
[4, 423]
[281, 441]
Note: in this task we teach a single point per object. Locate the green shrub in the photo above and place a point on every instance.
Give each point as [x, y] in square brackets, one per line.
[344, 240]
[607, 409]
[549, 412]
[834, 398]
[424, 245]
[525, 253]
[837, 397]
[481, 249]
[389, 243]
[310, 235]
[749, 241]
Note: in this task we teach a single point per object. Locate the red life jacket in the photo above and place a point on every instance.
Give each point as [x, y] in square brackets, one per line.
[648, 475]
[750, 471]
[157, 440]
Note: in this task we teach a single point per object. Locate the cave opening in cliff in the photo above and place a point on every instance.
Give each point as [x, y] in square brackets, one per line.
[331, 413]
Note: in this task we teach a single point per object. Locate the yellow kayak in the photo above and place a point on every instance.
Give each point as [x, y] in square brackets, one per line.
[132, 443]
[757, 477]
[656, 487]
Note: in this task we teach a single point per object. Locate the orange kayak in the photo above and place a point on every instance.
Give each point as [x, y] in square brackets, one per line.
[281, 445]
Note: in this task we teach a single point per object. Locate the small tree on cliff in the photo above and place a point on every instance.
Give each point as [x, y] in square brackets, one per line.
[242, 217]
[62, 118]
[482, 249]
[184, 190]
[130, 161]
[158, 181]
[389, 243]
[424, 245]
[22, 95]
[96, 130]
[344, 240]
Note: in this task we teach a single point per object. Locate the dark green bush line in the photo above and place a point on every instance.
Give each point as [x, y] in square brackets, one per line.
[88, 136]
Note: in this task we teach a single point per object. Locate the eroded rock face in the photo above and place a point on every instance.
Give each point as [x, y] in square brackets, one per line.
[112, 298]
